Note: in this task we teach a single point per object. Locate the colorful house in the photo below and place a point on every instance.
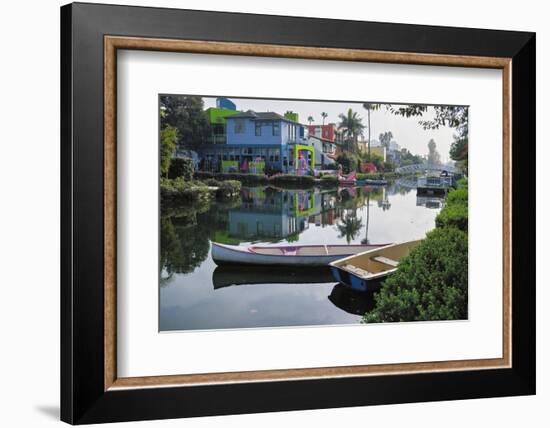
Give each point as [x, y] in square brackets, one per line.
[375, 148]
[256, 141]
[328, 132]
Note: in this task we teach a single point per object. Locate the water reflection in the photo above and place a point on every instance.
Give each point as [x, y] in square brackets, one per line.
[226, 276]
[432, 201]
[195, 294]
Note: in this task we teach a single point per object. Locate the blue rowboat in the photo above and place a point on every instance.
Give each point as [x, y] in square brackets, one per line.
[365, 271]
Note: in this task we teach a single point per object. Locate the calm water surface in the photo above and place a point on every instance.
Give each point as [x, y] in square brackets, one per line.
[196, 294]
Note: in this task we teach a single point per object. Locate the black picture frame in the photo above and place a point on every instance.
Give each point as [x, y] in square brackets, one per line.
[83, 398]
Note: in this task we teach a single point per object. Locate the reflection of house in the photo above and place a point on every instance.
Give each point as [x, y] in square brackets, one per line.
[267, 213]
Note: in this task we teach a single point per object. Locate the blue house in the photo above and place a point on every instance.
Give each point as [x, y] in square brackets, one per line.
[261, 128]
[256, 141]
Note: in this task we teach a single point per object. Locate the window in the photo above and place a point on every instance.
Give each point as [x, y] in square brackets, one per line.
[239, 126]
[276, 129]
[258, 129]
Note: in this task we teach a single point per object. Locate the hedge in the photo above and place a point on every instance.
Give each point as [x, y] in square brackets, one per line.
[455, 212]
[181, 167]
[179, 190]
[431, 283]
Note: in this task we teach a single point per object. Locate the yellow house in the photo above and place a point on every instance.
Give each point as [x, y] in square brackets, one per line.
[376, 150]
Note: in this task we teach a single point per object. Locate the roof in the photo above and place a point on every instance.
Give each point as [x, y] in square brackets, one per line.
[261, 115]
[324, 140]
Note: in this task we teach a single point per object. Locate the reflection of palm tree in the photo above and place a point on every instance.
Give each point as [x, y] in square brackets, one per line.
[324, 116]
[349, 227]
[310, 120]
[366, 240]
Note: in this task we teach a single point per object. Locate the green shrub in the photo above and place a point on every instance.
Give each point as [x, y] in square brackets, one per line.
[431, 283]
[458, 196]
[228, 189]
[251, 179]
[180, 190]
[455, 212]
[349, 162]
[212, 182]
[453, 215]
[181, 167]
[462, 183]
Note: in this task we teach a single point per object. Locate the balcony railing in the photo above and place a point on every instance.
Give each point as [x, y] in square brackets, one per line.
[217, 139]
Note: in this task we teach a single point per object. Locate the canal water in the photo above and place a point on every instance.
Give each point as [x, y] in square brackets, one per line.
[196, 294]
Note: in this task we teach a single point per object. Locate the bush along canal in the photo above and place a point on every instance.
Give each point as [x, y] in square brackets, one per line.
[431, 283]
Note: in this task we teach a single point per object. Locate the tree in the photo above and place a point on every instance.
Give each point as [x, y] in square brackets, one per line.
[168, 141]
[348, 161]
[433, 154]
[310, 120]
[407, 158]
[385, 139]
[352, 125]
[186, 114]
[455, 117]
[459, 152]
[324, 116]
[369, 107]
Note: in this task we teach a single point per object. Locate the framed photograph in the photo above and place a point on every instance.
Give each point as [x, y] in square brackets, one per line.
[267, 213]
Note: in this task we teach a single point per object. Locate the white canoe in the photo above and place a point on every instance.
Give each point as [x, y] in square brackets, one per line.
[288, 255]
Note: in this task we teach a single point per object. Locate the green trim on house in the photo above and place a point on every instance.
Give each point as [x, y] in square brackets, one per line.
[230, 166]
[217, 115]
[310, 149]
[290, 115]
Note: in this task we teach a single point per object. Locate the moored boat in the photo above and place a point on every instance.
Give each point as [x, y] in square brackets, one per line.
[287, 255]
[347, 180]
[372, 182]
[363, 271]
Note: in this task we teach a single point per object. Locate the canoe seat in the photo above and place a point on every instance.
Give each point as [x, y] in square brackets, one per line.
[385, 260]
[357, 271]
[289, 251]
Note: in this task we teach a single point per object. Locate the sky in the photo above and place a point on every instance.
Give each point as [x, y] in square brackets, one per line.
[406, 131]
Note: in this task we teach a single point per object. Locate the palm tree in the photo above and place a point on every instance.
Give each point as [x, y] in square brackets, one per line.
[324, 116]
[369, 107]
[310, 120]
[352, 125]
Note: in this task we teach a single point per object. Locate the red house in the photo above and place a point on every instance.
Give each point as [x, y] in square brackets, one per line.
[328, 132]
